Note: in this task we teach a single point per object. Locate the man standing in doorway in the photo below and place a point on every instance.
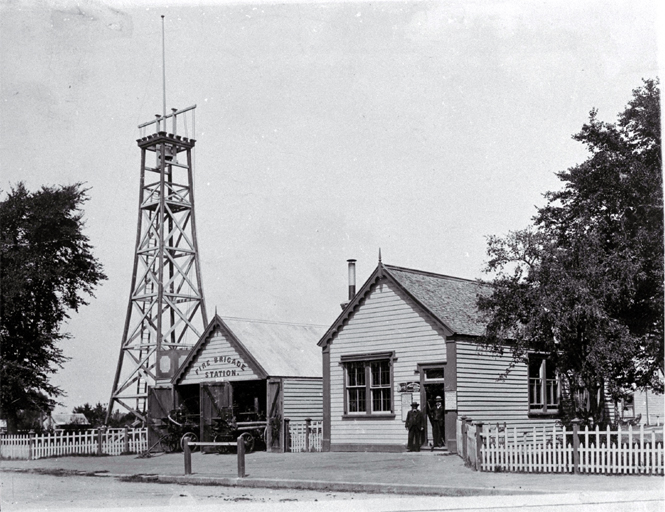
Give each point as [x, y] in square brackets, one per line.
[437, 422]
[415, 425]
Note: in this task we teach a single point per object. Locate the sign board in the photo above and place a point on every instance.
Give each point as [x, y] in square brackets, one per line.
[450, 398]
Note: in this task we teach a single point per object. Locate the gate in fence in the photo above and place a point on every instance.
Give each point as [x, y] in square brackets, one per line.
[304, 436]
[112, 441]
[559, 450]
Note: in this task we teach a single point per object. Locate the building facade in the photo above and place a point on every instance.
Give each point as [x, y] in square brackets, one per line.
[412, 336]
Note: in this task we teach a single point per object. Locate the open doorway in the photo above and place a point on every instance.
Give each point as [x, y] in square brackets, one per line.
[432, 387]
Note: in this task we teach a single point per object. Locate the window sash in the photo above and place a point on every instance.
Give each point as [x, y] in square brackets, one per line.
[368, 386]
[543, 387]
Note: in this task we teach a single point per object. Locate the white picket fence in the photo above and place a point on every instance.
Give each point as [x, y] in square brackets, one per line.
[112, 441]
[559, 450]
[298, 435]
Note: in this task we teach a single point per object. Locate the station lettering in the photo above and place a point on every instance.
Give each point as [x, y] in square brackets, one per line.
[238, 365]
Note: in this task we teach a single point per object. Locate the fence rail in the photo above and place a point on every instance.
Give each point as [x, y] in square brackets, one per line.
[556, 449]
[306, 436]
[112, 441]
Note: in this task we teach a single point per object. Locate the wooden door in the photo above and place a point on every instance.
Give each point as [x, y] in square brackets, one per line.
[215, 399]
[274, 415]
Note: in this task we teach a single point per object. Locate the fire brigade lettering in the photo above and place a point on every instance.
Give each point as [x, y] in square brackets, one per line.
[239, 367]
[220, 373]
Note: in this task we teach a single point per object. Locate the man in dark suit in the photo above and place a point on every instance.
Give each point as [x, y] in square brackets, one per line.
[415, 425]
[437, 422]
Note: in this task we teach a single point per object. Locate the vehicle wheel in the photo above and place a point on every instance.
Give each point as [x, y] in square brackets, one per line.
[172, 444]
[249, 442]
[219, 438]
[192, 438]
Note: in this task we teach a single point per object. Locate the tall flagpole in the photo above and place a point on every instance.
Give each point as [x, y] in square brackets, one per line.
[163, 75]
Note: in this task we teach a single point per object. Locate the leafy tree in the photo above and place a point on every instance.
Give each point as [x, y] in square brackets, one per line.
[96, 415]
[46, 270]
[585, 282]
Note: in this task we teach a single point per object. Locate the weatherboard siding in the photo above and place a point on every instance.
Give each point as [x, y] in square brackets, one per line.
[484, 394]
[387, 321]
[303, 398]
[218, 361]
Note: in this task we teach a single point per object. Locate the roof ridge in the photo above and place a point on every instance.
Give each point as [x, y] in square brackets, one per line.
[276, 322]
[433, 274]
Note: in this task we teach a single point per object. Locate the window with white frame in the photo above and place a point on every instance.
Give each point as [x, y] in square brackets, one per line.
[543, 386]
[368, 384]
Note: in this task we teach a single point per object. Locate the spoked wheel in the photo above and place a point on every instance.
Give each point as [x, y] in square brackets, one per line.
[192, 438]
[248, 439]
[219, 438]
[169, 443]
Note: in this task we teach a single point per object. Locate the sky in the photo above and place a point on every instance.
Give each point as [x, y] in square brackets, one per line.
[325, 131]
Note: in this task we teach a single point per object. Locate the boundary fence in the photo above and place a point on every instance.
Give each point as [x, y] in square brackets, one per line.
[555, 449]
[112, 441]
[304, 436]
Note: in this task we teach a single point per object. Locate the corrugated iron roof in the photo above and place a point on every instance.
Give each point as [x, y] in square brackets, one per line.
[451, 299]
[282, 349]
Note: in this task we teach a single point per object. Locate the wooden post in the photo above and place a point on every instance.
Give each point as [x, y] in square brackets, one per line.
[479, 430]
[99, 441]
[287, 435]
[188, 456]
[31, 446]
[125, 448]
[241, 457]
[576, 446]
[462, 449]
[467, 422]
[308, 426]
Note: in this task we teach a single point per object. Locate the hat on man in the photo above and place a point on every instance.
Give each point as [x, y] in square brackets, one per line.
[414, 404]
[438, 399]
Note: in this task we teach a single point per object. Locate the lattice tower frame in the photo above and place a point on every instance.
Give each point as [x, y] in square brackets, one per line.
[166, 310]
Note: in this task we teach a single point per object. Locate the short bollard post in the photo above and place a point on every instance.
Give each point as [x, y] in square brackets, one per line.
[188, 457]
[241, 457]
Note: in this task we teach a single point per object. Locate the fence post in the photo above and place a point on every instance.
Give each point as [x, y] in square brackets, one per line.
[125, 448]
[188, 456]
[31, 446]
[467, 422]
[576, 446]
[479, 430]
[308, 425]
[241, 457]
[461, 449]
[99, 441]
[287, 436]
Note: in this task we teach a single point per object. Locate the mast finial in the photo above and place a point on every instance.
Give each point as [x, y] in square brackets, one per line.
[379, 255]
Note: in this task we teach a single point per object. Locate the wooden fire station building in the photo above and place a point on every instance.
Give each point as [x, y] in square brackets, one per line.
[262, 370]
[409, 335]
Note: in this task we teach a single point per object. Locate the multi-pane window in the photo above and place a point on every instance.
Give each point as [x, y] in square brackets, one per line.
[380, 386]
[368, 386]
[355, 387]
[543, 386]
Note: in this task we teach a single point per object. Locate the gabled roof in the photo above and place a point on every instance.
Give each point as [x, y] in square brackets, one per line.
[449, 301]
[271, 349]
